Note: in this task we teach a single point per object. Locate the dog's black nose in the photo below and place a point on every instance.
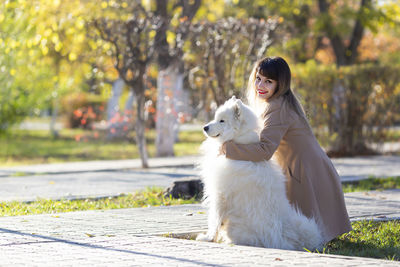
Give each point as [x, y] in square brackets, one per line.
[205, 128]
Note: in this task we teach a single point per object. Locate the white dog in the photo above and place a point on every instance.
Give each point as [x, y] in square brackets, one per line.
[247, 203]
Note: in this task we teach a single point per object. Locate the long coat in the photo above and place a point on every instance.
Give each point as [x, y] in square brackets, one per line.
[313, 185]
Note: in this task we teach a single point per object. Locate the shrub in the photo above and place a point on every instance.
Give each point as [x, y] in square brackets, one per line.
[82, 109]
[371, 97]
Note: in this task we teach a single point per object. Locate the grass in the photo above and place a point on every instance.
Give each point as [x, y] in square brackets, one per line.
[372, 183]
[23, 147]
[368, 239]
[149, 197]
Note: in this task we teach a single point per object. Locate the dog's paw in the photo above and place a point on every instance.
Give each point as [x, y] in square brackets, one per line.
[204, 237]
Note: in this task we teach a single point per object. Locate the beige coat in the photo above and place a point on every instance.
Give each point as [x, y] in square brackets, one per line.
[313, 185]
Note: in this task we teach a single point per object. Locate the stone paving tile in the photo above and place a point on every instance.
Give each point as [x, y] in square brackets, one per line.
[373, 205]
[132, 237]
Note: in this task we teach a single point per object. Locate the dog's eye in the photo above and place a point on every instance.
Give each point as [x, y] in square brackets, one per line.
[221, 121]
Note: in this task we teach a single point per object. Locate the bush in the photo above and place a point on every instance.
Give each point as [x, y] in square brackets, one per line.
[371, 97]
[82, 109]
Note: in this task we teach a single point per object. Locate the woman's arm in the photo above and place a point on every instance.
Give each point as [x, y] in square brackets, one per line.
[270, 137]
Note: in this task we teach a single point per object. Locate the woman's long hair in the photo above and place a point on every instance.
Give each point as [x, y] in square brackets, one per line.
[277, 69]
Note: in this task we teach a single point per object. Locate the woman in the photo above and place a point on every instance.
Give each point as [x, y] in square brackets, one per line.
[313, 184]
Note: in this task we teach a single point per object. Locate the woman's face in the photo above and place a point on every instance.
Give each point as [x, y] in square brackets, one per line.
[265, 87]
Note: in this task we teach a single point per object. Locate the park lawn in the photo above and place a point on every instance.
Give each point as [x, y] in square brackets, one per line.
[370, 239]
[23, 147]
[372, 183]
[150, 197]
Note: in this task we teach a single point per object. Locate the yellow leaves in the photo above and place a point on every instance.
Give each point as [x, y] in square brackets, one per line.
[72, 56]
[47, 32]
[107, 46]
[45, 50]
[58, 46]
[54, 38]
[152, 34]
[80, 23]
[124, 5]
[13, 72]
[37, 39]
[80, 38]
[104, 5]
[171, 37]
[14, 44]
[31, 53]
[397, 90]
[2, 17]
[54, 26]
[56, 3]
[211, 17]
[29, 43]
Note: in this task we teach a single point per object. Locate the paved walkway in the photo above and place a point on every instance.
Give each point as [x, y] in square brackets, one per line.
[111, 178]
[134, 237]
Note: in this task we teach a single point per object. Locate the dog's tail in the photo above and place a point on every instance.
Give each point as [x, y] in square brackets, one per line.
[304, 233]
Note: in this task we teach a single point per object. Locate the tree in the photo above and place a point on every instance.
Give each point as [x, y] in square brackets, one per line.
[19, 59]
[313, 26]
[225, 53]
[345, 41]
[169, 39]
[133, 46]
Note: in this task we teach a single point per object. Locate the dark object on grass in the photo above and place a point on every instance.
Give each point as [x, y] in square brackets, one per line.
[185, 188]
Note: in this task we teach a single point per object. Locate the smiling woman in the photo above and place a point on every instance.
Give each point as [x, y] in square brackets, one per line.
[265, 86]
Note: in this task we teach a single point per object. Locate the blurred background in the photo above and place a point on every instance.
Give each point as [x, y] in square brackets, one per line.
[95, 80]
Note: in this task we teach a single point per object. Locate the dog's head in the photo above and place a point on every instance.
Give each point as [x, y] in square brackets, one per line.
[230, 119]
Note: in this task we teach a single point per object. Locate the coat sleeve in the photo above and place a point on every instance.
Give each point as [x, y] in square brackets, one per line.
[274, 130]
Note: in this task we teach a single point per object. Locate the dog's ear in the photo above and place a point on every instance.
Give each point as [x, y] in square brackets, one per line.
[233, 98]
[239, 102]
[238, 108]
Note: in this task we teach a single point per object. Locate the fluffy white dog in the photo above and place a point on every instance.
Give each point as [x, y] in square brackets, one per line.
[247, 203]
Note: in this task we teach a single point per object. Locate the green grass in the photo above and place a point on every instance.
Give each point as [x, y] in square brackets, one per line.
[372, 184]
[369, 239]
[22, 147]
[149, 197]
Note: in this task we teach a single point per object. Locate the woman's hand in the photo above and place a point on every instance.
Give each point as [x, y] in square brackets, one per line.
[222, 149]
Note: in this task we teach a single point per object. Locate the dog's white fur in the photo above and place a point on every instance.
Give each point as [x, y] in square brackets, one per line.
[247, 203]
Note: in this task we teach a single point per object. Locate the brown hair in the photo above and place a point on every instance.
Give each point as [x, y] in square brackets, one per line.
[277, 69]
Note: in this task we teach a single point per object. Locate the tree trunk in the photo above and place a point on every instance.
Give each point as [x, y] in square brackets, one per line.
[113, 102]
[54, 115]
[346, 55]
[169, 105]
[140, 130]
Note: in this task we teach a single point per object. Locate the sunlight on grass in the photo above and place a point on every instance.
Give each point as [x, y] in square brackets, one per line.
[22, 147]
[369, 239]
[146, 198]
[372, 184]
